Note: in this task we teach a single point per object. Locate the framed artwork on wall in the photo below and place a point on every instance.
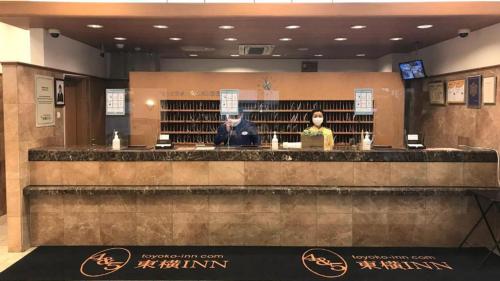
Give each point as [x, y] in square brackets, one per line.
[455, 91]
[474, 91]
[436, 93]
[489, 90]
[59, 92]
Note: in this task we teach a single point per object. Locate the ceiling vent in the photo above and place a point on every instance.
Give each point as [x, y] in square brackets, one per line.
[256, 50]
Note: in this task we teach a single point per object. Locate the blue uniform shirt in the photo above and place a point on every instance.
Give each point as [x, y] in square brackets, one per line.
[243, 134]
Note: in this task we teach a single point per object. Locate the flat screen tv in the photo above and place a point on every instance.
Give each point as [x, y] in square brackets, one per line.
[412, 70]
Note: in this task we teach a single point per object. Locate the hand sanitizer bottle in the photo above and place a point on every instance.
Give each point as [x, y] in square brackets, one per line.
[116, 142]
[274, 142]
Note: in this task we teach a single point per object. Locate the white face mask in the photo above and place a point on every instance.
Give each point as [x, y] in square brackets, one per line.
[235, 122]
[318, 121]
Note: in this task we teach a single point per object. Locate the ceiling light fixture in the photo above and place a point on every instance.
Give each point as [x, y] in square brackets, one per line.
[193, 55]
[292, 26]
[340, 39]
[175, 39]
[276, 55]
[137, 49]
[120, 38]
[226, 27]
[425, 26]
[318, 55]
[285, 39]
[358, 27]
[360, 55]
[303, 49]
[396, 38]
[95, 26]
[160, 26]
[120, 45]
[230, 39]
[235, 55]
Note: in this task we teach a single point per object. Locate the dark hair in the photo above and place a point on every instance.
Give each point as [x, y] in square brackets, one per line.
[312, 114]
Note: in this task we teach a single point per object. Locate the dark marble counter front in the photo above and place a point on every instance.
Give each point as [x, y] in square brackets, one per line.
[260, 154]
[219, 190]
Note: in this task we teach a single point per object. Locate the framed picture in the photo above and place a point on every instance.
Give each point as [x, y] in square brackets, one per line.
[474, 91]
[489, 90]
[455, 91]
[436, 93]
[59, 96]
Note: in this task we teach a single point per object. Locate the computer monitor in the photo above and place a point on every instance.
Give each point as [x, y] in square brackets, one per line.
[412, 70]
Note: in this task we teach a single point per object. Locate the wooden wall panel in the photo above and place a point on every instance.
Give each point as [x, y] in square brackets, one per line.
[388, 92]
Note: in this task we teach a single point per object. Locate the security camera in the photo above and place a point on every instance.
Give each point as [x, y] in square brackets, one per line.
[54, 32]
[463, 32]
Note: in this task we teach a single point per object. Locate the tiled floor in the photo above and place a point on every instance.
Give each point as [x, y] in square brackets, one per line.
[6, 258]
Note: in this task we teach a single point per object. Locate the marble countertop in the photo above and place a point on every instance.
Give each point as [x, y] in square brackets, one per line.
[287, 190]
[259, 154]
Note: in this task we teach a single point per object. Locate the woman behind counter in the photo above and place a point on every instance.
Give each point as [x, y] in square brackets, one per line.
[317, 121]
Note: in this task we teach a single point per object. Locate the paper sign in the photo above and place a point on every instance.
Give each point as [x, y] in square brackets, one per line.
[45, 108]
[115, 101]
[363, 104]
[229, 101]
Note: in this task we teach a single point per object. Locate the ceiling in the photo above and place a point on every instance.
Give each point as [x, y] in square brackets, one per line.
[316, 33]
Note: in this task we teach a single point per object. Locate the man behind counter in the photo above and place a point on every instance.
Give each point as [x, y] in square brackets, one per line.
[237, 131]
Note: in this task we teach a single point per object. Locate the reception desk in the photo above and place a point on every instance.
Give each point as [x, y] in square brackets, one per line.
[255, 196]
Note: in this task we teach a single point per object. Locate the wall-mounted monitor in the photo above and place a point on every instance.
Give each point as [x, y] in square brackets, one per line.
[412, 70]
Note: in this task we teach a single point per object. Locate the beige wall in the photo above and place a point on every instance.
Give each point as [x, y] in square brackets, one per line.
[443, 126]
[388, 91]
[265, 65]
[479, 49]
[18, 46]
[3, 207]
[20, 135]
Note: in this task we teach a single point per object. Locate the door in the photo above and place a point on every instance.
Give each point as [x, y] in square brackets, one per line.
[76, 111]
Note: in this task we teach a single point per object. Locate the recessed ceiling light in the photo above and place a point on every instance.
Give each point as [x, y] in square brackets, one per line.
[340, 39]
[425, 26]
[318, 55]
[303, 49]
[396, 38]
[175, 38]
[285, 39]
[120, 45]
[360, 55]
[226, 27]
[230, 39]
[235, 55]
[193, 55]
[120, 38]
[160, 26]
[292, 26]
[137, 49]
[96, 26]
[276, 55]
[358, 26]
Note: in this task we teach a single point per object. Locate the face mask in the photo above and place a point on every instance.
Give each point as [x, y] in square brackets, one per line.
[318, 121]
[235, 122]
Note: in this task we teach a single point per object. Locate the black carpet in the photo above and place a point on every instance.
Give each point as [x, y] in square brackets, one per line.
[254, 263]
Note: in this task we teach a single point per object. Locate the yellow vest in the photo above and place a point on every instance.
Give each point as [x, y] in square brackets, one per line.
[327, 134]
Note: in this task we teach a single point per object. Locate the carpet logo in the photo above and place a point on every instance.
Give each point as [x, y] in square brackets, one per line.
[324, 263]
[105, 262]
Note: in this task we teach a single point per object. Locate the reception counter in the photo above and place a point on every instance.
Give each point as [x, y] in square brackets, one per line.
[255, 196]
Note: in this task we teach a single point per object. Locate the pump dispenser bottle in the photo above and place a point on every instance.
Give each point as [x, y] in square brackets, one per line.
[274, 142]
[116, 142]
